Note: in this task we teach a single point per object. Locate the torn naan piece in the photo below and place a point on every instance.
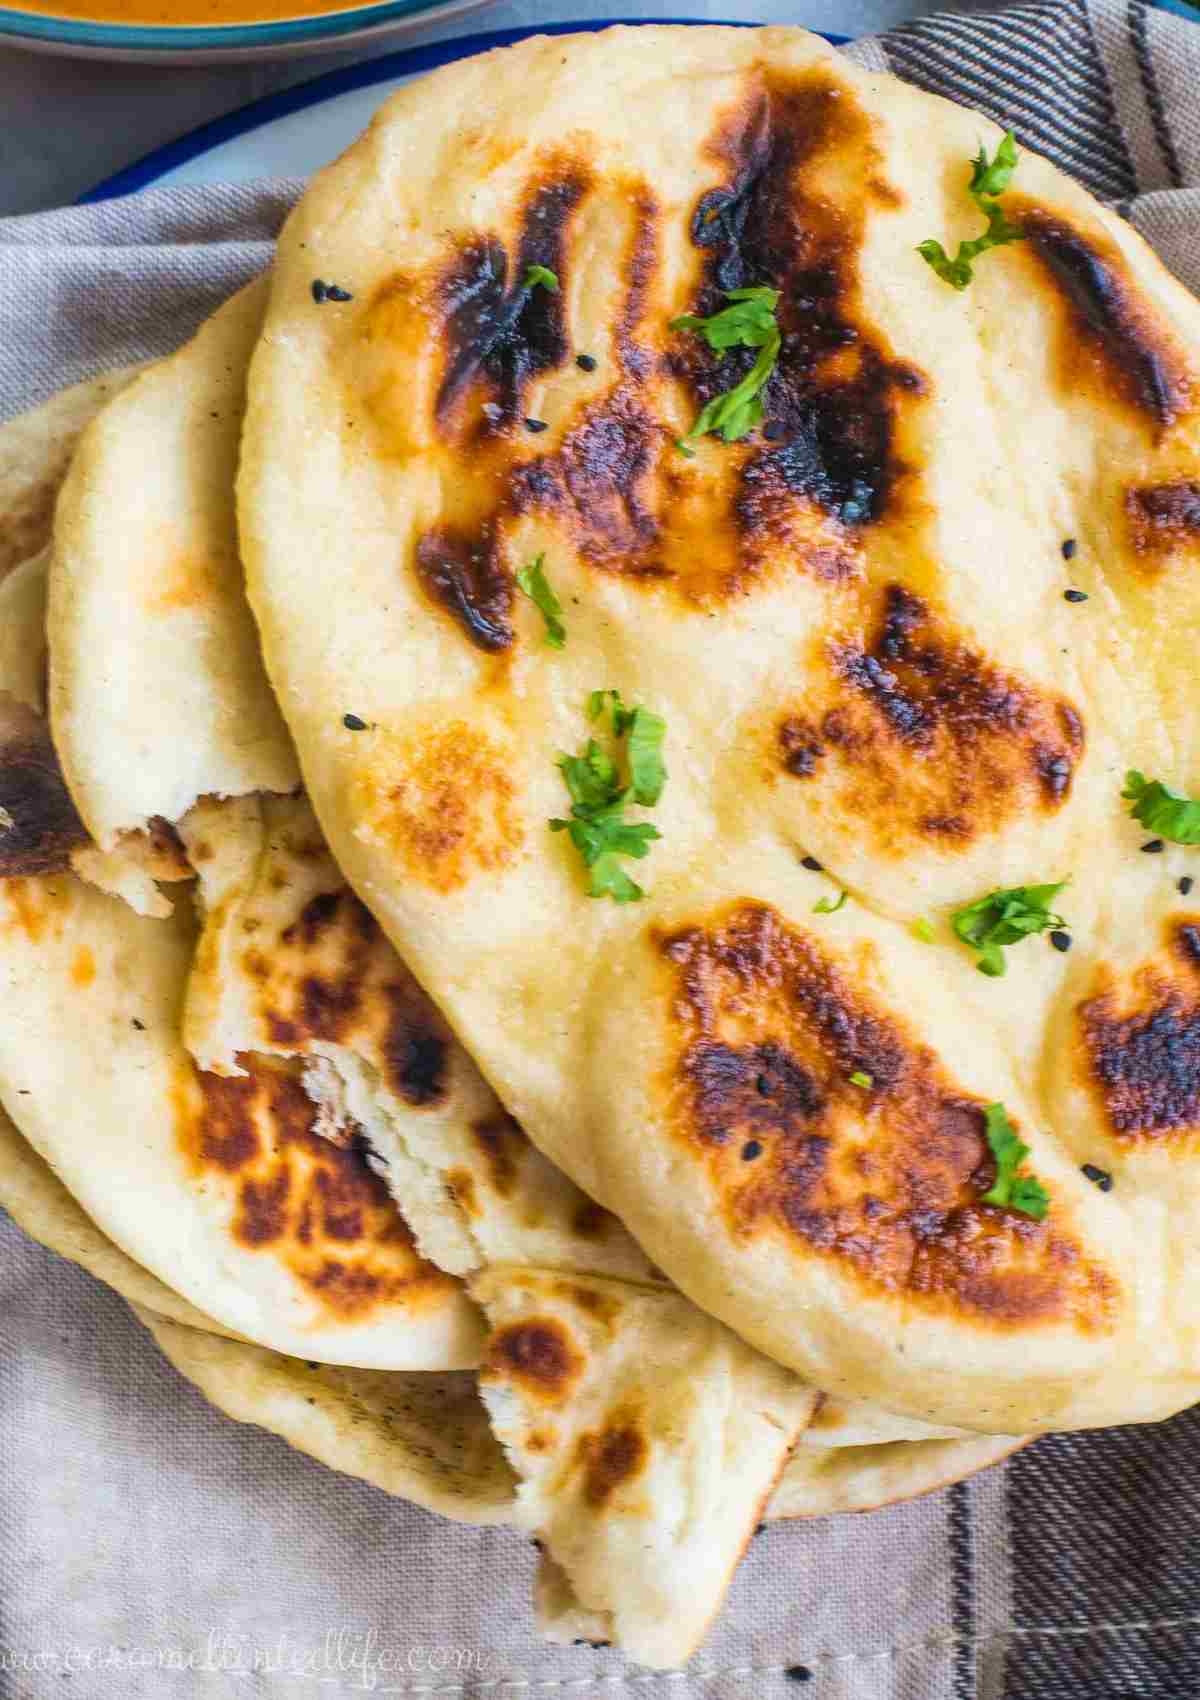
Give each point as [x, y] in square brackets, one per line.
[648, 1439]
[157, 692]
[220, 1189]
[290, 962]
[853, 628]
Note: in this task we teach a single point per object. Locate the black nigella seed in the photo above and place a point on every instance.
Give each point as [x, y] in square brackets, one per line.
[798, 1673]
[1060, 940]
[764, 1085]
[1074, 595]
[1069, 549]
[1152, 846]
[336, 293]
[811, 863]
[1099, 1177]
[1185, 885]
[773, 430]
[536, 425]
[140, 1025]
[320, 290]
[761, 1530]
[586, 362]
[353, 724]
[750, 1150]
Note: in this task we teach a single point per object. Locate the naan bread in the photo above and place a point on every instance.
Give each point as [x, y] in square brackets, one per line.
[39, 1203]
[648, 1438]
[157, 689]
[423, 1437]
[291, 976]
[426, 1437]
[35, 451]
[292, 964]
[857, 636]
[221, 1189]
[821, 1482]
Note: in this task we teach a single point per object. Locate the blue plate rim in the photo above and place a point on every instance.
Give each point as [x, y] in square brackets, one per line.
[144, 172]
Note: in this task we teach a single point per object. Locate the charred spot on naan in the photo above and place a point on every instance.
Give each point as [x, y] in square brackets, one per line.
[315, 1206]
[39, 824]
[500, 335]
[613, 484]
[330, 976]
[888, 1183]
[1110, 331]
[612, 1457]
[465, 573]
[444, 803]
[935, 741]
[1139, 1041]
[1164, 519]
[538, 1355]
[504, 1145]
[596, 484]
[837, 390]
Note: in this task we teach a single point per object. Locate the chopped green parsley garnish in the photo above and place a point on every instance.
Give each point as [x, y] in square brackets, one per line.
[1006, 917]
[647, 770]
[858, 1078]
[597, 827]
[989, 180]
[826, 905]
[923, 930]
[748, 323]
[1164, 811]
[1018, 1192]
[543, 275]
[533, 581]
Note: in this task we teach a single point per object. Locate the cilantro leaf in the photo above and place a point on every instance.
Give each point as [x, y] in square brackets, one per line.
[533, 581]
[861, 1078]
[989, 179]
[597, 826]
[622, 716]
[591, 778]
[1005, 917]
[826, 905]
[1165, 812]
[647, 769]
[540, 274]
[601, 834]
[749, 322]
[1017, 1192]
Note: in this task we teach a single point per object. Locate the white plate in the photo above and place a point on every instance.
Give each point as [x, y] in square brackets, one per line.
[297, 131]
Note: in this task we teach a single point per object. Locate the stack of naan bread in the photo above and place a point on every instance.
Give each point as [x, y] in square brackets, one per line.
[627, 1222]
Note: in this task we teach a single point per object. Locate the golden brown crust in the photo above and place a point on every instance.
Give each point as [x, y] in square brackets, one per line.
[316, 1206]
[1139, 1041]
[886, 1180]
[1129, 351]
[934, 740]
[445, 805]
